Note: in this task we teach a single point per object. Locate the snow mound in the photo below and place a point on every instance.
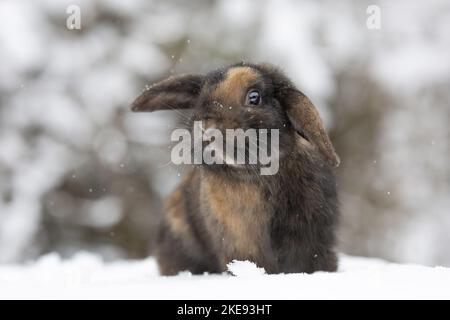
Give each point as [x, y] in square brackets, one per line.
[86, 276]
[244, 269]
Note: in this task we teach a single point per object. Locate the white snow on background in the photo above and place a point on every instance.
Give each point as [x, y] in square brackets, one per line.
[85, 276]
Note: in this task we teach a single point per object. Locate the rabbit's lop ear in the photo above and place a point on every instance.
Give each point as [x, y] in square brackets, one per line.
[301, 112]
[305, 118]
[176, 92]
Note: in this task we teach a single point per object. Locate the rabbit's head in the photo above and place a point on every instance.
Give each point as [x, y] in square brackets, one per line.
[244, 96]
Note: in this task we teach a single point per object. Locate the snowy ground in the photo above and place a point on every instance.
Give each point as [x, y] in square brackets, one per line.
[87, 277]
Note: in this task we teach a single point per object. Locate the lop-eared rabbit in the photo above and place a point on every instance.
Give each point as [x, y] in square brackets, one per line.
[284, 222]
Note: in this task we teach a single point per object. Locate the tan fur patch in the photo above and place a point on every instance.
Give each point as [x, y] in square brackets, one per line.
[236, 79]
[303, 114]
[175, 213]
[302, 142]
[238, 210]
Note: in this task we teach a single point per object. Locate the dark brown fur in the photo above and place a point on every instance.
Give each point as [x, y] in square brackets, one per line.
[284, 222]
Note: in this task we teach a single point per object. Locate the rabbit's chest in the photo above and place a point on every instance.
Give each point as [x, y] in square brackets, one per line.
[239, 221]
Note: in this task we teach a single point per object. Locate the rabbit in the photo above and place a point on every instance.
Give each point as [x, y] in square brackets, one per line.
[284, 223]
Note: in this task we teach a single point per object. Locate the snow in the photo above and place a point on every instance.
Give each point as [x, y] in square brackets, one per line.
[244, 269]
[86, 276]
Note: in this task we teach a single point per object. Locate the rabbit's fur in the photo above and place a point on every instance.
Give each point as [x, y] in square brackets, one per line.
[284, 222]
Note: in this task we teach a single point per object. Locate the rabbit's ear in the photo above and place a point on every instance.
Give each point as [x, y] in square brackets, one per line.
[305, 119]
[301, 112]
[176, 92]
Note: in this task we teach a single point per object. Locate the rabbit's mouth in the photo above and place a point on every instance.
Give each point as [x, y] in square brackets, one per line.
[236, 148]
[222, 157]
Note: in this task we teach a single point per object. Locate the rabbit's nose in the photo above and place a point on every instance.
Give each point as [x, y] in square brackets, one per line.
[209, 129]
[209, 124]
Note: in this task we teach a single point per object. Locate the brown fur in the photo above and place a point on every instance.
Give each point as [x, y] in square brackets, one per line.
[237, 213]
[176, 219]
[309, 118]
[285, 222]
[236, 79]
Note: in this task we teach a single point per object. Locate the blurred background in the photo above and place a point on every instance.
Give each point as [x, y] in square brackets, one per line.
[79, 171]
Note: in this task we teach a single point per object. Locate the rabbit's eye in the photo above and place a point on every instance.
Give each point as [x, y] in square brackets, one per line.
[253, 98]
